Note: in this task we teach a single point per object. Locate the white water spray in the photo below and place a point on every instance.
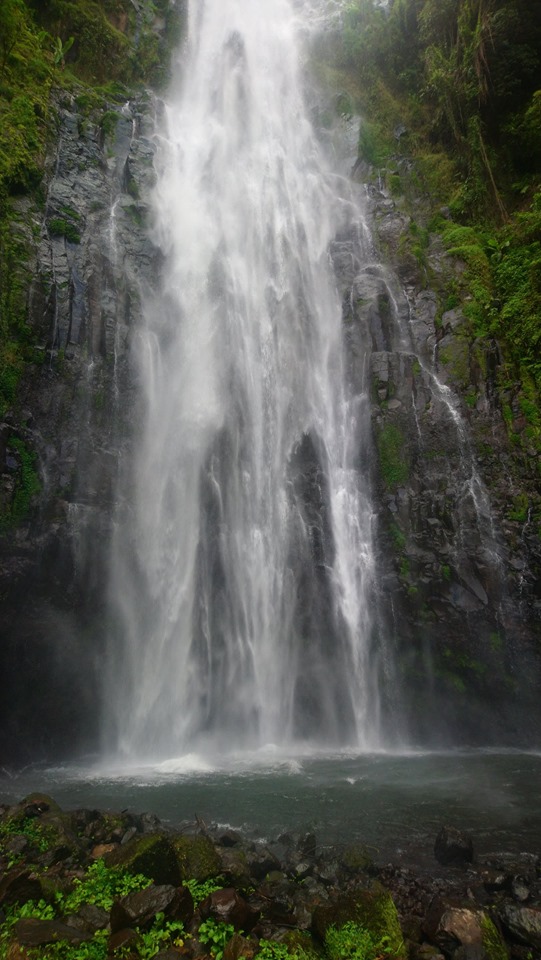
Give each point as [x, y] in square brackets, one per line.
[243, 568]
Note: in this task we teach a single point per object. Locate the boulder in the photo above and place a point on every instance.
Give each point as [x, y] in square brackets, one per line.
[452, 847]
[152, 855]
[522, 923]
[372, 908]
[140, 909]
[356, 859]
[197, 857]
[19, 885]
[229, 907]
[32, 932]
[239, 946]
[457, 924]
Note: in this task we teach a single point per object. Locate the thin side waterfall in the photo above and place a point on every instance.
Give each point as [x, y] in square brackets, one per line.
[243, 566]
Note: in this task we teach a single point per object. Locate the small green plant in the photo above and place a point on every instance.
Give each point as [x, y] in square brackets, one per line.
[215, 935]
[60, 50]
[101, 886]
[272, 950]
[162, 934]
[200, 891]
[37, 835]
[353, 942]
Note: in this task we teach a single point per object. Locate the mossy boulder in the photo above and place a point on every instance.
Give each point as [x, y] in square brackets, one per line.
[299, 942]
[454, 923]
[356, 859]
[197, 857]
[154, 856]
[41, 829]
[372, 909]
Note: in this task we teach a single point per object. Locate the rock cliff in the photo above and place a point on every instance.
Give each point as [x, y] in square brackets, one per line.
[458, 550]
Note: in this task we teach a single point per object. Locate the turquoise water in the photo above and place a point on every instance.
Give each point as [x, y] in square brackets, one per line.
[393, 803]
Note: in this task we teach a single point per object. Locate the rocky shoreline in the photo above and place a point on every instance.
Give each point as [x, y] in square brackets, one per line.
[90, 884]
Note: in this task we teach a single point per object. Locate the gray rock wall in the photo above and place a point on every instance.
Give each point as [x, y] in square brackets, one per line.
[92, 263]
[458, 546]
[459, 562]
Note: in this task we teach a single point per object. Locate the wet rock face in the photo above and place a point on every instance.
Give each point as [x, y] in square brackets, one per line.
[93, 264]
[456, 577]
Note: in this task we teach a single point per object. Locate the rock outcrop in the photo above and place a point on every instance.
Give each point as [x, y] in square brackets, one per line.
[93, 262]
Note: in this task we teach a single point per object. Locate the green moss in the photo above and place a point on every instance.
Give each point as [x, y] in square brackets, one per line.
[371, 910]
[392, 457]
[300, 944]
[153, 856]
[404, 567]
[492, 941]
[399, 539]
[27, 484]
[374, 147]
[197, 857]
[519, 511]
[63, 228]
[108, 122]
[356, 858]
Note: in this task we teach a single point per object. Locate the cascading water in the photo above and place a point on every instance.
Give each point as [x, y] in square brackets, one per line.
[243, 565]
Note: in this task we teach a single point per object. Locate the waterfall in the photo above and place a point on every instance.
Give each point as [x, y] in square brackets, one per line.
[243, 565]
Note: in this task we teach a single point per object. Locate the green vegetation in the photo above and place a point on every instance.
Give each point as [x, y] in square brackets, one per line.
[200, 891]
[100, 887]
[449, 93]
[492, 942]
[100, 51]
[392, 456]
[353, 942]
[62, 228]
[37, 836]
[215, 934]
[27, 484]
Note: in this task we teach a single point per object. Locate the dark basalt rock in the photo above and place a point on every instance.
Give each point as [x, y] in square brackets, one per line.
[141, 908]
[18, 885]
[239, 946]
[371, 907]
[455, 924]
[228, 906]
[153, 855]
[452, 847]
[523, 923]
[37, 933]
[444, 915]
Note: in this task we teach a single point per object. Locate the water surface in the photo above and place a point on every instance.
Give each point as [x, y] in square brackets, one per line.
[393, 803]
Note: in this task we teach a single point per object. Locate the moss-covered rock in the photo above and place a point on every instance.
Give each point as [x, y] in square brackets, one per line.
[450, 923]
[356, 859]
[372, 909]
[154, 856]
[197, 857]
